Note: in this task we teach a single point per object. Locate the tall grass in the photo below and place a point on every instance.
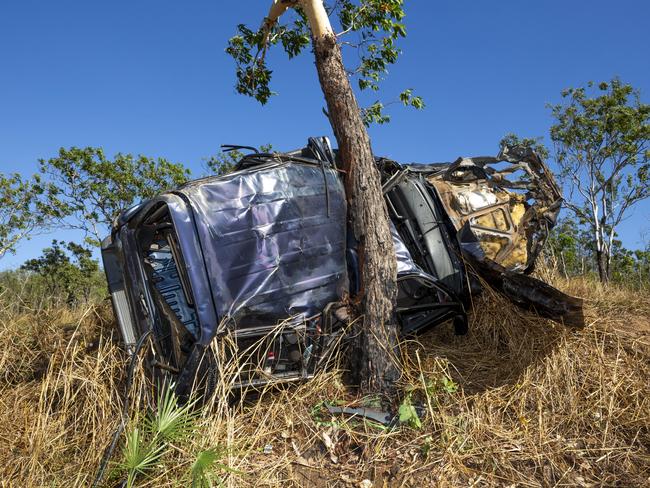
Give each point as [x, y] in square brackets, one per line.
[519, 401]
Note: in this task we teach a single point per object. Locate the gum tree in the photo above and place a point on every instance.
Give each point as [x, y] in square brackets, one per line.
[67, 270]
[371, 27]
[22, 213]
[602, 148]
[88, 190]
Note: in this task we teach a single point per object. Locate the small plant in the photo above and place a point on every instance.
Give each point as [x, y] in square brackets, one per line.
[435, 385]
[170, 421]
[200, 470]
[139, 456]
[408, 414]
[205, 462]
[448, 385]
[426, 447]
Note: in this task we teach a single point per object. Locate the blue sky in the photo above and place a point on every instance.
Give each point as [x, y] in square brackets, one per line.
[151, 77]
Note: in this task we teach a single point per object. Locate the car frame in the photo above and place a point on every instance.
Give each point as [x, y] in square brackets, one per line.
[262, 259]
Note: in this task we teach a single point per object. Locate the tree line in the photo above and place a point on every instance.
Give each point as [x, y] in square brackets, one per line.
[571, 251]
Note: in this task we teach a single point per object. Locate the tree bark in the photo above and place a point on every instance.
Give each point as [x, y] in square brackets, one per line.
[603, 271]
[374, 359]
[564, 271]
[374, 367]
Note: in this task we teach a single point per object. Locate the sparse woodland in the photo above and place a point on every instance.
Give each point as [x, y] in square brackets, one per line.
[518, 401]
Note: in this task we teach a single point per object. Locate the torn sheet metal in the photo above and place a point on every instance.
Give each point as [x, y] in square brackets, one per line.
[509, 218]
[499, 211]
[503, 223]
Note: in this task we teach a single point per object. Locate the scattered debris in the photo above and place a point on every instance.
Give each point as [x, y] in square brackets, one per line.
[330, 443]
[384, 418]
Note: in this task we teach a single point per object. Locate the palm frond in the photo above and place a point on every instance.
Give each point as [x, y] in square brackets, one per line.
[139, 456]
[171, 421]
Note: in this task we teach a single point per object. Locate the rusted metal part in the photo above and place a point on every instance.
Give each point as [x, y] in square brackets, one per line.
[530, 293]
[510, 219]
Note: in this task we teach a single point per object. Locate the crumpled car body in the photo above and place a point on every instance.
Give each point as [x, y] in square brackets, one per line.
[262, 259]
[495, 212]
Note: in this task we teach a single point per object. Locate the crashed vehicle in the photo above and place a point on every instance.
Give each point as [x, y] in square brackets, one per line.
[262, 259]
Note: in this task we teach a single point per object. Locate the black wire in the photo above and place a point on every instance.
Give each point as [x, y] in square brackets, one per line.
[235, 147]
[108, 453]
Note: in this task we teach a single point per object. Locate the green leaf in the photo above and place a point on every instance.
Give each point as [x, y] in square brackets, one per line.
[205, 463]
[408, 414]
[171, 421]
[449, 385]
[374, 28]
[199, 471]
[139, 456]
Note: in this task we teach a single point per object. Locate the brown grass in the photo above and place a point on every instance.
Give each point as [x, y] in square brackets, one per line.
[536, 405]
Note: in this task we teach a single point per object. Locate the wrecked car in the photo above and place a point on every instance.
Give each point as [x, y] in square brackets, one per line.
[262, 259]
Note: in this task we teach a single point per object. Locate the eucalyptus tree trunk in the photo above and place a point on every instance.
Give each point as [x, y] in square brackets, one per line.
[374, 354]
[602, 254]
[603, 266]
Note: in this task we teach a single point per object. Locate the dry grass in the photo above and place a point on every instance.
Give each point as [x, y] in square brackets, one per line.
[535, 405]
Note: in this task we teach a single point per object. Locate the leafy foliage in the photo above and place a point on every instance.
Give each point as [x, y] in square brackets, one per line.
[601, 139]
[253, 76]
[571, 251]
[535, 143]
[147, 443]
[139, 457]
[67, 270]
[407, 413]
[203, 468]
[630, 267]
[88, 190]
[371, 28]
[171, 421]
[22, 212]
[224, 162]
